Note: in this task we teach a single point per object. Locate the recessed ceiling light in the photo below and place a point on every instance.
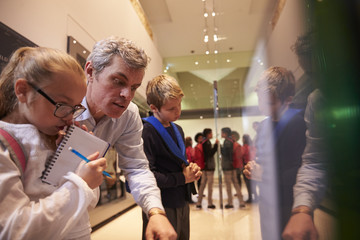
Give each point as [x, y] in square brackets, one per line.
[196, 63]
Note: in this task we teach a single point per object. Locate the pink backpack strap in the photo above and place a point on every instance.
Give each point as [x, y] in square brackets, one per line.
[16, 152]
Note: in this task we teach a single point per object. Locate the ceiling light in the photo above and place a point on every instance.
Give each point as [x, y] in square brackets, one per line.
[228, 60]
[207, 52]
[206, 14]
[215, 38]
[74, 41]
[201, 117]
[196, 63]
[216, 51]
[213, 14]
[206, 38]
[84, 52]
[165, 71]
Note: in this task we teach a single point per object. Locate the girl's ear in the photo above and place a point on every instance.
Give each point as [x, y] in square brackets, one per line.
[153, 108]
[21, 89]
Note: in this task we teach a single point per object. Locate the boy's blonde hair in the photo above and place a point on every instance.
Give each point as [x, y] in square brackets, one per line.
[37, 65]
[162, 88]
[277, 81]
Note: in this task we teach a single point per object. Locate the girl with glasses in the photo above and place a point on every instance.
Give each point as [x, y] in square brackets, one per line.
[40, 94]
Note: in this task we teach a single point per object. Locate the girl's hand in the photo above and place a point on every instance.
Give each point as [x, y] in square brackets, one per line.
[91, 172]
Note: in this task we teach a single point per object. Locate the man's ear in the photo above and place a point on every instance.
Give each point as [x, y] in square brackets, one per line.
[89, 71]
[21, 89]
[153, 108]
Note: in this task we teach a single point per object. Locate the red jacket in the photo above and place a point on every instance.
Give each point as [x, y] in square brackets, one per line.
[248, 153]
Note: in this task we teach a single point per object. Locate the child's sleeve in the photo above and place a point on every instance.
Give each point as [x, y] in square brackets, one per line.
[54, 215]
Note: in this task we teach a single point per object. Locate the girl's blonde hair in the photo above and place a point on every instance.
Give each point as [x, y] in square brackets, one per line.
[162, 88]
[37, 65]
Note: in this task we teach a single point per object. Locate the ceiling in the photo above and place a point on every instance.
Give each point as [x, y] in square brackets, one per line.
[178, 30]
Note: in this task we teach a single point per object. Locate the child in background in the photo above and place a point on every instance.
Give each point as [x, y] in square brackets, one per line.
[189, 148]
[198, 156]
[249, 155]
[40, 93]
[229, 170]
[171, 170]
[209, 167]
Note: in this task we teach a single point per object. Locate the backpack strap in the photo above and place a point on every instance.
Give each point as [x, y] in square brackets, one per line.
[16, 152]
[178, 151]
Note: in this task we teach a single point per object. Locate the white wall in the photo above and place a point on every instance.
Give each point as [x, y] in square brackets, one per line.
[290, 25]
[48, 23]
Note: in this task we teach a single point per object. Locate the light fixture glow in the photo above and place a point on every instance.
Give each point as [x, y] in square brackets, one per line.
[206, 14]
[215, 38]
[207, 52]
[206, 38]
[216, 51]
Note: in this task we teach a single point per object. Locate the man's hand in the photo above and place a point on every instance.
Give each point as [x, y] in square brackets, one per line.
[160, 228]
[300, 227]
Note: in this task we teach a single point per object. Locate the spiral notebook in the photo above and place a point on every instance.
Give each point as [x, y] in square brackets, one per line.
[64, 161]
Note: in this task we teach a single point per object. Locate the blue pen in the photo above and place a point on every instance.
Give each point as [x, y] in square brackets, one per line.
[86, 160]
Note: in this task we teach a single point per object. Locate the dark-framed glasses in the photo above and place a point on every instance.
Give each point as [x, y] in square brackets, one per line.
[61, 109]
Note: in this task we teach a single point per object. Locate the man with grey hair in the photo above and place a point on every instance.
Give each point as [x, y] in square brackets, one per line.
[114, 70]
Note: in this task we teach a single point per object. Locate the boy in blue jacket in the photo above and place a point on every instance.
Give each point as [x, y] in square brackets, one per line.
[165, 149]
